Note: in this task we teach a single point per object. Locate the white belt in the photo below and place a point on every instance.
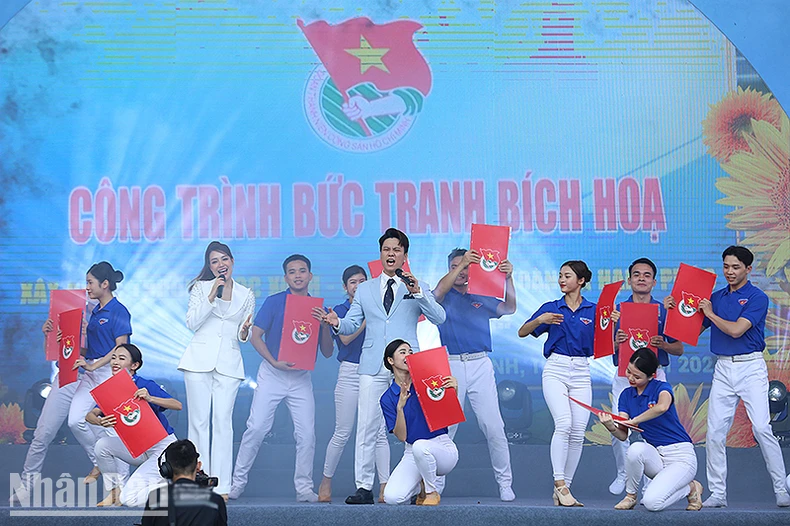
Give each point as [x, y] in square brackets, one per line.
[468, 356]
[756, 355]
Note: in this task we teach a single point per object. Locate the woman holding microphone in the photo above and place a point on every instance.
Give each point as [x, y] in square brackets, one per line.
[220, 314]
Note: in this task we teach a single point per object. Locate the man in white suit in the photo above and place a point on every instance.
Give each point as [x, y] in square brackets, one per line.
[391, 307]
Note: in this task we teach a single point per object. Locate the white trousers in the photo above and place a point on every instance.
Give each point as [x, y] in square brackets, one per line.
[370, 420]
[110, 453]
[671, 468]
[565, 376]
[274, 386]
[346, 400]
[734, 381]
[82, 402]
[476, 380]
[210, 400]
[427, 460]
[620, 447]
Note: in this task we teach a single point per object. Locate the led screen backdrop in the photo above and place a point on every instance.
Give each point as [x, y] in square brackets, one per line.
[136, 132]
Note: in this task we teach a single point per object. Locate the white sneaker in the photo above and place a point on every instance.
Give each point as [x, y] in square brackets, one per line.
[310, 496]
[506, 494]
[783, 499]
[617, 486]
[715, 502]
[234, 493]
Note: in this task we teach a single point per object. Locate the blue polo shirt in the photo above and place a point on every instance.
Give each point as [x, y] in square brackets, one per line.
[352, 351]
[572, 337]
[663, 356]
[154, 389]
[467, 329]
[664, 430]
[416, 426]
[106, 324]
[747, 302]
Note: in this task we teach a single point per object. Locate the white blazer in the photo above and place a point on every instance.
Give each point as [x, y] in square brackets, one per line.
[215, 344]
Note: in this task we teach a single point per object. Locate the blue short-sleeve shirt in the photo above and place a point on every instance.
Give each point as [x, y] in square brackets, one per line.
[747, 302]
[154, 389]
[352, 351]
[106, 324]
[663, 430]
[572, 337]
[663, 356]
[467, 329]
[416, 425]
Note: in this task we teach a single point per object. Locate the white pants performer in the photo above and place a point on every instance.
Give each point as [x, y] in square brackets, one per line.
[620, 447]
[370, 420]
[671, 468]
[476, 380]
[82, 402]
[111, 452]
[427, 460]
[747, 381]
[274, 386]
[565, 376]
[346, 400]
[210, 400]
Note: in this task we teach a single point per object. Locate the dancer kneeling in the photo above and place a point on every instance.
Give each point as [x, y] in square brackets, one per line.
[134, 491]
[667, 454]
[429, 455]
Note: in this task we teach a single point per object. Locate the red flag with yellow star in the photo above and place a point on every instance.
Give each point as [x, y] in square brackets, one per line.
[692, 284]
[603, 341]
[135, 422]
[358, 51]
[299, 338]
[640, 323]
[440, 405]
[491, 242]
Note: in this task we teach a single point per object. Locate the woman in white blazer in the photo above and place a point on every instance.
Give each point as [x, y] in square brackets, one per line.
[220, 314]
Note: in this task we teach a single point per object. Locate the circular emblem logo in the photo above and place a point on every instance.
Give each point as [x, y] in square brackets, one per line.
[435, 394]
[132, 418]
[637, 344]
[300, 337]
[489, 265]
[686, 310]
[604, 322]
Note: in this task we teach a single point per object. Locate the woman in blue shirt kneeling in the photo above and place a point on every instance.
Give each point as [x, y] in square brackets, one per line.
[429, 455]
[667, 454]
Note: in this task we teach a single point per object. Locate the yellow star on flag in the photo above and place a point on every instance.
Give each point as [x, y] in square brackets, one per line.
[638, 335]
[434, 383]
[690, 301]
[490, 255]
[127, 408]
[302, 328]
[369, 57]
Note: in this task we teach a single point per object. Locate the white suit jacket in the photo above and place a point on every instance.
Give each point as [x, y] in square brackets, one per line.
[381, 327]
[215, 344]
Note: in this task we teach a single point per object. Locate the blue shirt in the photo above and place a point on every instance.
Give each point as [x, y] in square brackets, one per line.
[350, 352]
[663, 357]
[467, 329]
[106, 324]
[663, 430]
[747, 302]
[416, 426]
[572, 337]
[270, 319]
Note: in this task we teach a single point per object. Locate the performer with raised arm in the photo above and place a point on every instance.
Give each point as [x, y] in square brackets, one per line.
[428, 455]
[570, 324]
[736, 317]
[278, 381]
[220, 314]
[391, 307]
[667, 455]
[467, 335]
[349, 348]
[641, 278]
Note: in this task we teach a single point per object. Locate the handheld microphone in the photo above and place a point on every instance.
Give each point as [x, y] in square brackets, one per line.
[221, 288]
[407, 280]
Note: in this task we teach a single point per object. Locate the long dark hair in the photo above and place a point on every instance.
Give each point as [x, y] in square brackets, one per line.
[205, 273]
[103, 271]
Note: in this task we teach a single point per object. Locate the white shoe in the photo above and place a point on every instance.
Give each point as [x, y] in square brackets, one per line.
[715, 502]
[783, 499]
[234, 493]
[506, 494]
[310, 496]
[617, 486]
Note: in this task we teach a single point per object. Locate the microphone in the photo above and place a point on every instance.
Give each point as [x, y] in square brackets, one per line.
[407, 280]
[221, 288]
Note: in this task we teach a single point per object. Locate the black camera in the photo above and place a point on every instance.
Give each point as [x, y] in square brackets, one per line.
[204, 480]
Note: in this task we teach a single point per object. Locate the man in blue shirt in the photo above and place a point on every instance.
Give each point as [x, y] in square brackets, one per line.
[278, 381]
[467, 335]
[736, 316]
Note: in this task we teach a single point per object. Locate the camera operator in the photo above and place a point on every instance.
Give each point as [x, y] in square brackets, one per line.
[187, 501]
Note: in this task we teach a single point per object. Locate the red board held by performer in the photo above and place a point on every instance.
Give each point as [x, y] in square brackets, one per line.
[640, 322]
[691, 286]
[603, 341]
[440, 406]
[61, 301]
[491, 242]
[70, 323]
[299, 339]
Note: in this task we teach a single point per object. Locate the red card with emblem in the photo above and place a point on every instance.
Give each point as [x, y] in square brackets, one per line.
[692, 284]
[299, 339]
[640, 323]
[70, 323]
[440, 406]
[603, 342]
[491, 242]
[61, 301]
[136, 423]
